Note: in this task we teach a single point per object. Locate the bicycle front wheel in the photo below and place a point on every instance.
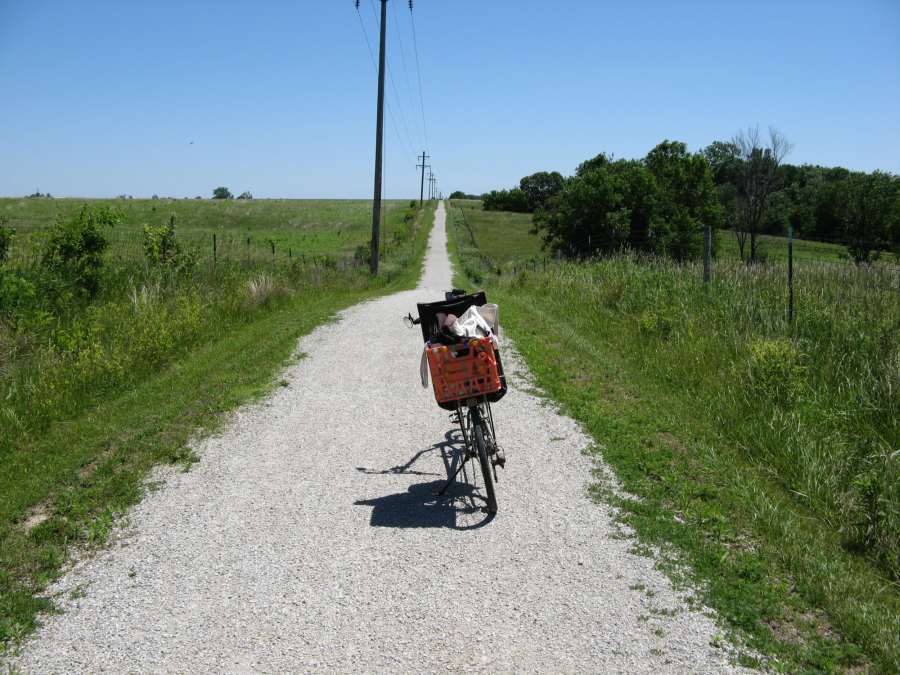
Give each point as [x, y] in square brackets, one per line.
[481, 436]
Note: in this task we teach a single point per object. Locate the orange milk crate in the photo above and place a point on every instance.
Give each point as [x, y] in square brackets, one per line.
[464, 370]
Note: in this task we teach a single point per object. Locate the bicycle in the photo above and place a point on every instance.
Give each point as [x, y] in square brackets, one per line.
[467, 376]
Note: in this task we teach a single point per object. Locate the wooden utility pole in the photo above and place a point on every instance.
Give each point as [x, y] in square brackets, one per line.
[379, 140]
[422, 166]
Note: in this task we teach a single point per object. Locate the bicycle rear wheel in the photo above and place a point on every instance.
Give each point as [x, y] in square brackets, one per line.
[481, 435]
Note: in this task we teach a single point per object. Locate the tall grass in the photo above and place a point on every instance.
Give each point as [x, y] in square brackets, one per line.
[816, 404]
[59, 352]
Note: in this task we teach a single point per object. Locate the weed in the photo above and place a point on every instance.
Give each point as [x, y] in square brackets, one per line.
[262, 290]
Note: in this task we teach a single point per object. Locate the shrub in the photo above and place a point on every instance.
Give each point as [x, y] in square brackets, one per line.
[160, 245]
[506, 200]
[775, 369]
[6, 235]
[655, 325]
[16, 293]
[74, 250]
[261, 290]
[362, 254]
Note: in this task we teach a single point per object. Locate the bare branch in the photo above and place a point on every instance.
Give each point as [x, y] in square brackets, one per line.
[758, 178]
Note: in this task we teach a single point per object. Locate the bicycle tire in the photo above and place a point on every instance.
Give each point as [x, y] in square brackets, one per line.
[479, 432]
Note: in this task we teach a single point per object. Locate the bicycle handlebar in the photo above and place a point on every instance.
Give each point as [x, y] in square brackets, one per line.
[448, 295]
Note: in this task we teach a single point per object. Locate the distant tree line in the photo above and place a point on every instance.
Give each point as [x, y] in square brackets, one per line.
[225, 193]
[663, 202]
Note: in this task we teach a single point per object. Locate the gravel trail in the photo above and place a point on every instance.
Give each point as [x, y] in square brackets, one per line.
[307, 538]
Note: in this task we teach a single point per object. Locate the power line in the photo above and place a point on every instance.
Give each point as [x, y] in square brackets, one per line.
[418, 73]
[409, 89]
[409, 142]
[362, 25]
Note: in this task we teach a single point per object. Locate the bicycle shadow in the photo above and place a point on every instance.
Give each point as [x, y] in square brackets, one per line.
[460, 508]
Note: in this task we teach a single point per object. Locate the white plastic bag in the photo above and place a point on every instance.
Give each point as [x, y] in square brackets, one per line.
[491, 313]
[472, 325]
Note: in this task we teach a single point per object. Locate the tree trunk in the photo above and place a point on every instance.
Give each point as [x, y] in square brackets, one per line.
[741, 240]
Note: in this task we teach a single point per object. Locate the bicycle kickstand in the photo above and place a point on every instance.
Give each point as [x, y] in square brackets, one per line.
[452, 478]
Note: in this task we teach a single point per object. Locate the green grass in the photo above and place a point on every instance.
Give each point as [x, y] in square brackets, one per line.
[308, 227]
[765, 455]
[508, 238]
[96, 396]
[776, 249]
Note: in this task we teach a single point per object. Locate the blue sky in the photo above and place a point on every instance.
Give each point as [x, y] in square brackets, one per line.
[103, 98]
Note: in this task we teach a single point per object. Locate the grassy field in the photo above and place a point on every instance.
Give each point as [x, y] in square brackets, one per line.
[508, 238]
[96, 391]
[765, 454]
[307, 227]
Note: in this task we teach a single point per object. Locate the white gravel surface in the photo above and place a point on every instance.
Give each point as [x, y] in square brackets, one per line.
[307, 538]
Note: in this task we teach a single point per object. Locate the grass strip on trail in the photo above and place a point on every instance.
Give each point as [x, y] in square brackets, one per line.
[655, 375]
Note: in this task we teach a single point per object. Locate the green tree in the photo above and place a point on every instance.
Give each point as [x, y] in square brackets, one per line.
[222, 193]
[869, 214]
[598, 162]
[505, 200]
[540, 186]
[607, 208]
[687, 201]
[640, 198]
[74, 250]
[588, 216]
[725, 164]
[245, 195]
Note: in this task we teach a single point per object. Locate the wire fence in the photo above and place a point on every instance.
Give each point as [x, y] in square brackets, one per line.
[206, 249]
[876, 278]
[337, 249]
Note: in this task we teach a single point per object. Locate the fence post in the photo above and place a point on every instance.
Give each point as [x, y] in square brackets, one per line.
[790, 274]
[248, 252]
[214, 250]
[707, 253]
[272, 244]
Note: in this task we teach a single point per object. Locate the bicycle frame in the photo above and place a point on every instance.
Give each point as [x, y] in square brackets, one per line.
[473, 415]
